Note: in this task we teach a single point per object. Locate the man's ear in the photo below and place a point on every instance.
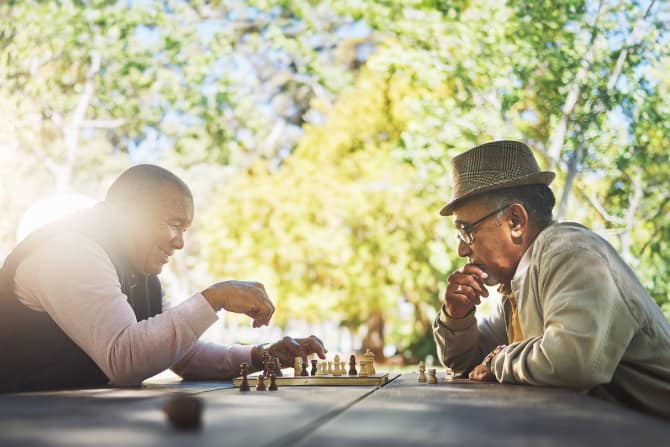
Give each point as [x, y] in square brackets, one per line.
[518, 221]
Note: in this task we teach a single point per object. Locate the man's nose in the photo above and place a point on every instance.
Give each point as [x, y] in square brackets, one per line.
[463, 249]
[178, 241]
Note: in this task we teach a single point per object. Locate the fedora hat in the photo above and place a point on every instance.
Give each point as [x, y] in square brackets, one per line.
[494, 165]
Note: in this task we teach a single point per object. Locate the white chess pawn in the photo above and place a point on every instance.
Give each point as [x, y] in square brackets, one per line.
[432, 376]
[330, 368]
[370, 357]
[338, 366]
[422, 372]
[449, 375]
[319, 369]
[297, 366]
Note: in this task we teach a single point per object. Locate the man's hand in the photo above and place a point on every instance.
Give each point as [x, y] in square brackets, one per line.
[242, 297]
[482, 373]
[465, 287]
[287, 349]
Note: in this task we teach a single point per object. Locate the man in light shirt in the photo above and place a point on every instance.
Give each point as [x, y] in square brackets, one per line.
[81, 304]
[573, 314]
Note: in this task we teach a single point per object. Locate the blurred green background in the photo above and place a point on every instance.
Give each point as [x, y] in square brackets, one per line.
[316, 136]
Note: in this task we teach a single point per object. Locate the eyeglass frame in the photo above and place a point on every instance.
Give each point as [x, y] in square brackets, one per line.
[465, 230]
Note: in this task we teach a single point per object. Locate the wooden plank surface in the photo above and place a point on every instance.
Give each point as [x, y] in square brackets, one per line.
[463, 413]
[129, 417]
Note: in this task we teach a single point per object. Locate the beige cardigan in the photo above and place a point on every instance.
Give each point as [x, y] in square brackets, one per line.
[588, 323]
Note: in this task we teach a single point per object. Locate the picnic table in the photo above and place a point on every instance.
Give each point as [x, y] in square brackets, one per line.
[402, 412]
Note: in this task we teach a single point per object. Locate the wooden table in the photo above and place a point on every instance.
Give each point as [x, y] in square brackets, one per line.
[403, 412]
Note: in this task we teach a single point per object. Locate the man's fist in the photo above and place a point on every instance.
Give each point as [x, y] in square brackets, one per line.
[465, 287]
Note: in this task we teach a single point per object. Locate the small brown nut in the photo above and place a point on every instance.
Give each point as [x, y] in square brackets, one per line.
[184, 412]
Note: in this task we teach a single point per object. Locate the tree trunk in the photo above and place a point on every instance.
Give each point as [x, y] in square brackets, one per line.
[575, 158]
[374, 339]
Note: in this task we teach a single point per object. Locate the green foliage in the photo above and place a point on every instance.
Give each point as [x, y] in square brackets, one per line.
[317, 134]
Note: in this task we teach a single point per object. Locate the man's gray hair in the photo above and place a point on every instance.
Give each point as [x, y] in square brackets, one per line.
[538, 200]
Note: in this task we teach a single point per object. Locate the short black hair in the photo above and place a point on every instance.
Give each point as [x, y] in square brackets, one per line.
[143, 181]
[538, 200]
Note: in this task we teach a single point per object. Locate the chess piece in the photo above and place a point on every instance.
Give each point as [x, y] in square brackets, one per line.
[449, 375]
[314, 367]
[352, 365]
[273, 383]
[267, 364]
[304, 372]
[297, 366]
[370, 357]
[277, 371]
[244, 370]
[330, 368]
[422, 372]
[338, 368]
[184, 412]
[432, 376]
[363, 371]
[260, 383]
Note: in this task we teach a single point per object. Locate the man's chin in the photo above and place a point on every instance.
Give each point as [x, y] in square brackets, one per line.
[153, 269]
[491, 280]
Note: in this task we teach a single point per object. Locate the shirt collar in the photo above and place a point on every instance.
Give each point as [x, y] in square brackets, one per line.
[525, 259]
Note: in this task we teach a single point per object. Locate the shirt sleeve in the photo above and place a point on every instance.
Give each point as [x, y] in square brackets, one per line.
[75, 282]
[462, 343]
[211, 361]
[587, 326]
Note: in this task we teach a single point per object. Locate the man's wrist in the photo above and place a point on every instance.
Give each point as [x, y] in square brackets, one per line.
[488, 360]
[258, 355]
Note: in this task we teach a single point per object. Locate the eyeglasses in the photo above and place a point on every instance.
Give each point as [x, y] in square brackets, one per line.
[465, 230]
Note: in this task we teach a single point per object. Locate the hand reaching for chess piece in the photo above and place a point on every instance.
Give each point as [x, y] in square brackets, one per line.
[287, 349]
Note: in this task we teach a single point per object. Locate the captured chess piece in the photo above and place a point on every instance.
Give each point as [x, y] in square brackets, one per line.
[273, 383]
[352, 365]
[432, 376]
[314, 367]
[260, 383]
[184, 412]
[422, 372]
[304, 372]
[244, 370]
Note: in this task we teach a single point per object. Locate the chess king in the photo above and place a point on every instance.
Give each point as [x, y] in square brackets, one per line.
[573, 314]
[81, 303]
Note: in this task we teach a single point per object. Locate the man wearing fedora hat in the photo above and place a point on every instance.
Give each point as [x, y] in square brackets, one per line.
[573, 313]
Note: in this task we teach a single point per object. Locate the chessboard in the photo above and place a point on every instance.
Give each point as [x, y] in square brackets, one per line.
[288, 379]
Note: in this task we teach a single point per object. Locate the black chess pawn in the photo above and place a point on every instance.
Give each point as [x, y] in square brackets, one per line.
[273, 383]
[244, 370]
[304, 369]
[314, 368]
[352, 366]
[184, 412]
[260, 383]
